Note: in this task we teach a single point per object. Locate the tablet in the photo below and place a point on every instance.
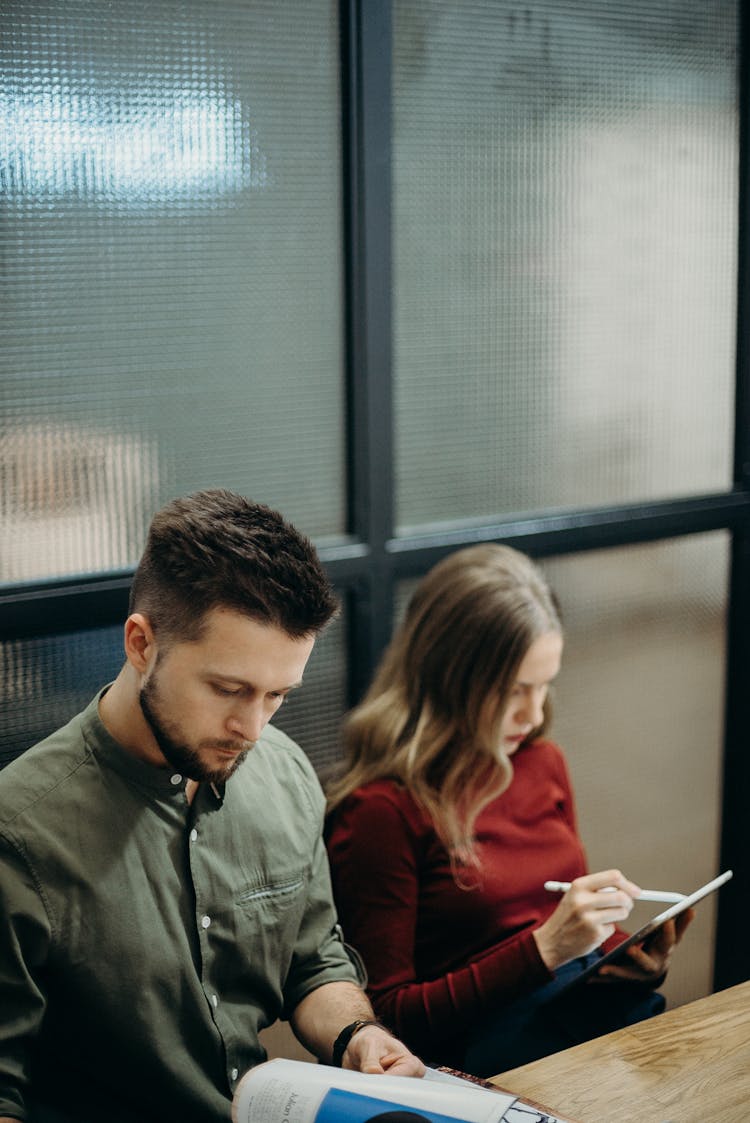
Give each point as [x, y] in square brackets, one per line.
[651, 926]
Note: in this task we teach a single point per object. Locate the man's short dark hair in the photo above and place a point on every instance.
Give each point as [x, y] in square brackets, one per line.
[216, 549]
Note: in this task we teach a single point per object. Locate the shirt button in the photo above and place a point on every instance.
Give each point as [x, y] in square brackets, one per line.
[234, 1073]
[193, 835]
[205, 921]
[176, 779]
[214, 1000]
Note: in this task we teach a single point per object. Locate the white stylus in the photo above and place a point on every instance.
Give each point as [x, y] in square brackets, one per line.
[644, 895]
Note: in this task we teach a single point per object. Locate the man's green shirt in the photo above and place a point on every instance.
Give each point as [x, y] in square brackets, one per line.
[145, 941]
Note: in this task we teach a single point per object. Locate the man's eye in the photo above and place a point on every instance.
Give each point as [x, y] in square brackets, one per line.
[225, 691]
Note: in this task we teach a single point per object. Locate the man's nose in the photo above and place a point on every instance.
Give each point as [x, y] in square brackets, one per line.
[248, 720]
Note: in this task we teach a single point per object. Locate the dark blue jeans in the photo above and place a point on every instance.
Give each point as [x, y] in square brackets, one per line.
[547, 1020]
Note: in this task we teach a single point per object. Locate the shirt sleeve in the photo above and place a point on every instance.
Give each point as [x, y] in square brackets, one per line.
[25, 940]
[375, 857]
[319, 954]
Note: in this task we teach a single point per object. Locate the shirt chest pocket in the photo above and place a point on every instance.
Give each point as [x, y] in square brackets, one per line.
[277, 894]
[268, 915]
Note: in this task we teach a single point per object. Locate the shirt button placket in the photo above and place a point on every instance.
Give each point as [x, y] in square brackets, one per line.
[204, 919]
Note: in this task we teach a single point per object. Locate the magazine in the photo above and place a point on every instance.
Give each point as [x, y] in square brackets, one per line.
[284, 1091]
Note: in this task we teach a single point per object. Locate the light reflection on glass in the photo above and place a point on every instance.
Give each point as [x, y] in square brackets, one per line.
[149, 148]
[73, 499]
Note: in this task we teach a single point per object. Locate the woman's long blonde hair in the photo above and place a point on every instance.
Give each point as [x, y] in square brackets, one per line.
[431, 718]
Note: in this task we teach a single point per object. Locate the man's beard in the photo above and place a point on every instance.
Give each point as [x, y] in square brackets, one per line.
[180, 755]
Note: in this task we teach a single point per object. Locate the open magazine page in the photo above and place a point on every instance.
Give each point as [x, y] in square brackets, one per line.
[283, 1091]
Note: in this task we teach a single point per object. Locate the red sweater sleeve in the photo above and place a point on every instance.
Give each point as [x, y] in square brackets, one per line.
[377, 843]
[568, 809]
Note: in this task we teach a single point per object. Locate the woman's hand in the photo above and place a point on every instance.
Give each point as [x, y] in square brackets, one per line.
[649, 962]
[585, 917]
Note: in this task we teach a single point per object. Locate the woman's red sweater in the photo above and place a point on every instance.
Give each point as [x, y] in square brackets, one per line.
[438, 956]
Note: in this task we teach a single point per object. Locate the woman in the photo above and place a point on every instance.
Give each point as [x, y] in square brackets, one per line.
[451, 814]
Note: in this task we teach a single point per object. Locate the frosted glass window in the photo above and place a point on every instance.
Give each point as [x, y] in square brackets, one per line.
[639, 708]
[313, 714]
[170, 227]
[44, 682]
[565, 226]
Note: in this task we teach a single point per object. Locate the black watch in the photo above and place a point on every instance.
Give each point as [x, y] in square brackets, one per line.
[343, 1039]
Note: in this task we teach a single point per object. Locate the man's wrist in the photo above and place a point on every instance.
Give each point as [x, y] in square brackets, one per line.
[341, 1043]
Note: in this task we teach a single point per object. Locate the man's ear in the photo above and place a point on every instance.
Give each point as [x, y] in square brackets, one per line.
[140, 643]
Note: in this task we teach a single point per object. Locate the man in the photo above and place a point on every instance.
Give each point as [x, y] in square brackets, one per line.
[164, 893]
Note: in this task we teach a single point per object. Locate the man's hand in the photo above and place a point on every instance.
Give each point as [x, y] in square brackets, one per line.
[373, 1049]
[325, 1012]
[650, 961]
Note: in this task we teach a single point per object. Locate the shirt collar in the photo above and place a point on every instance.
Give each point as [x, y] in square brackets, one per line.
[166, 782]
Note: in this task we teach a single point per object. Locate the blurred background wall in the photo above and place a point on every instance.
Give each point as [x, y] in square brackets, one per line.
[419, 274]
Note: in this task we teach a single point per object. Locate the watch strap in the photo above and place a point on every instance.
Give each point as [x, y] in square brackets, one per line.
[342, 1041]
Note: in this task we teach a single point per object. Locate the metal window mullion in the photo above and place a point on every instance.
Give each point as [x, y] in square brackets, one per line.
[367, 100]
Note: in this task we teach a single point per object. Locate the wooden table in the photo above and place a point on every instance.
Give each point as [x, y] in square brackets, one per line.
[690, 1065]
